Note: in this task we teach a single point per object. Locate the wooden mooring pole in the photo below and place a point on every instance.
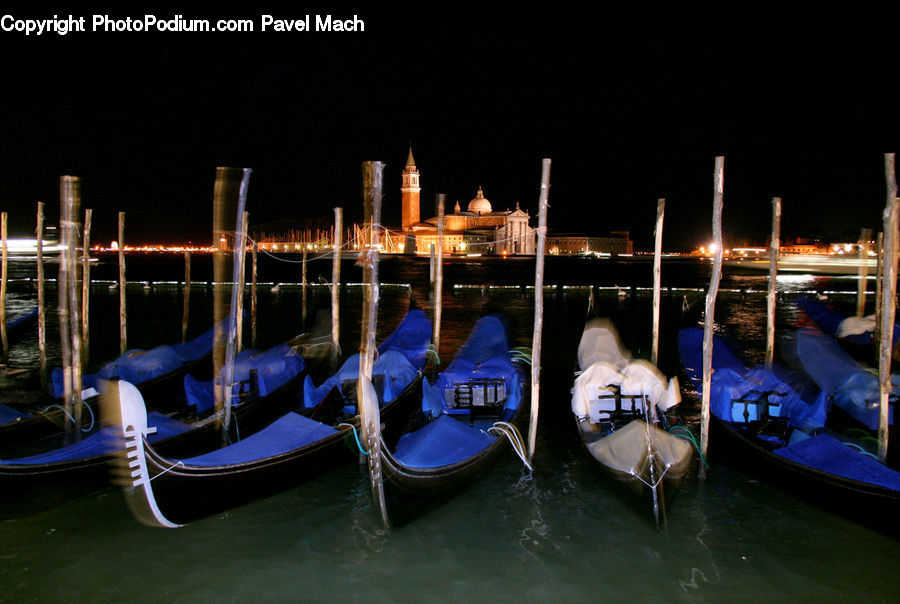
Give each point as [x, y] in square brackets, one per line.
[229, 202]
[69, 321]
[186, 313]
[538, 307]
[303, 293]
[718, 197]
[431, 265]
[42, 310]
[241, 243]
[86, 289]
[438, 277]
[235, 317]
[865, 236]
[253, 255]
[879, 262]
[774, 247]
[657, 278]
[370, 416]
[336, 289]
[888, 303]
[4, 260]
[123, 313]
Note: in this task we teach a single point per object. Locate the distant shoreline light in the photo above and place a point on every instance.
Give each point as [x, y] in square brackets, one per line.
[173, 249]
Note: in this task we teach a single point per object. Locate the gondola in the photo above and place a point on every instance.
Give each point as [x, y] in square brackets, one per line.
[462, 426]
[158, 373]
[168, 492]
[17, 328]
[852, 386]
[269, 383]
[855, 334]
[619, 406]
[765, 426]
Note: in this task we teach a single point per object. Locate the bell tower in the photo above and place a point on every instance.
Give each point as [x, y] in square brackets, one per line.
[409, 193]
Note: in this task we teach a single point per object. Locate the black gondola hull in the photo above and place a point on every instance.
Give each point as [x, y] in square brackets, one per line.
[43, 431]
[868, 504]
[187, 493]
[636, 487]
[36, 487]
[411, 492]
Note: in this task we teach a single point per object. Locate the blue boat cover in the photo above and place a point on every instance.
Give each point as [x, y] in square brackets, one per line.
[400, 359]
[274, 368]
[829, 319]
[854, 387]
[291, 431]
[394, 366]
[731, 380]
[827, 454]
[690, 347]
[412, 338]
[100, 443]
[484, 355]
[22, 321]
[8, 414]
[441, 442]
[137, 366]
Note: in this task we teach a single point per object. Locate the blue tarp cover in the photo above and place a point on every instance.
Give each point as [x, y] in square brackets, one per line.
[393, 365]
[400, 358]
[100, 442]
[854, 387]
[412, 337]
[137, 366]
[8, 414]
[22, 320]
[290, 432]
[484, 355]
[826, 453]
[441, 442]
[444, 440]
[731, 380]
[690, 347]
[274, 368]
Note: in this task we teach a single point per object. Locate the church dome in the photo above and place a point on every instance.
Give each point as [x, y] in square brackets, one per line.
[480, 205]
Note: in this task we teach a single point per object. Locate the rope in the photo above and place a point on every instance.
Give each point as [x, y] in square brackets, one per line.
[861, 450]
[177, 464]
[356, 438]
[516, 355]
[515, 440]
[388, 232]
[653, 485]
[69, 415]
[689, 436]
[520, 353]
[432, 352]
[344, 246]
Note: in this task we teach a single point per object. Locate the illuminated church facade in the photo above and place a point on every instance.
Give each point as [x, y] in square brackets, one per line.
[478, 229]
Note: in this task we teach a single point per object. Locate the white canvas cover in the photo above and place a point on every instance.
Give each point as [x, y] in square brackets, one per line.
[600, 343]
[625, 449]
[605, 362]
[852, 326]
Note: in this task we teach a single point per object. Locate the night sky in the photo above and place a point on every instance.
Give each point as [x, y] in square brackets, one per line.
[631, 105]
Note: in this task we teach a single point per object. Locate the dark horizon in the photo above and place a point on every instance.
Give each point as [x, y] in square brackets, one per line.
[629, 107]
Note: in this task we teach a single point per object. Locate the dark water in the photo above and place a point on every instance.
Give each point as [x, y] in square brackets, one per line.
[562, 533]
